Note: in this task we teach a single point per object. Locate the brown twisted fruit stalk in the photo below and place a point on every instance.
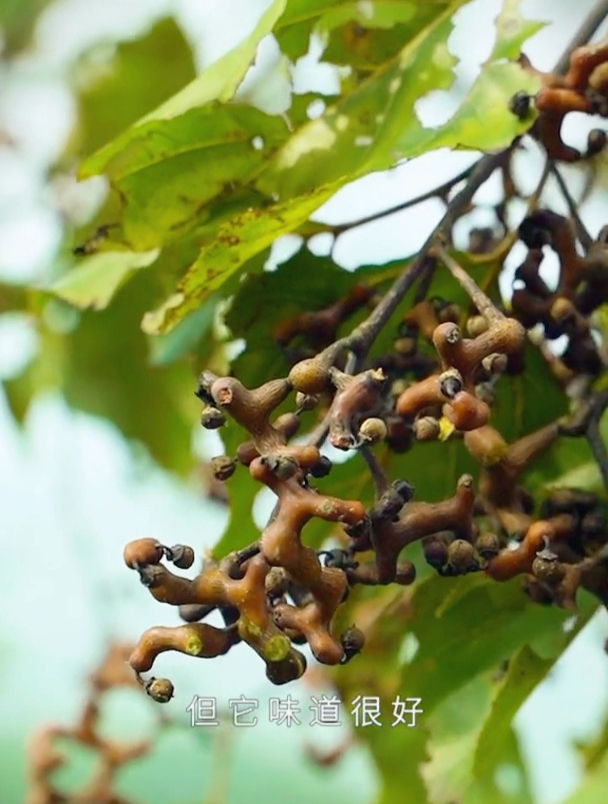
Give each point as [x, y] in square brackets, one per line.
[357, 400]
[582, 287]
[212, 587]
[394, 522]
[562, 552]
[279, 593]
[499, 494]
[266, 625]
[584, 88]
[271, 614]
[45, 755]
[454, 388]
[320, 327]
[281, 545]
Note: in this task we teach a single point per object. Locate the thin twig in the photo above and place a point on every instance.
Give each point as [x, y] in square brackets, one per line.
[319, 434]
[586, 422]
[594, 19]
[581, 230]
[425, 282]
[485, 305]
[598, 448]
[377, 472]
[594, 435]
[436, 192]
[362, 337]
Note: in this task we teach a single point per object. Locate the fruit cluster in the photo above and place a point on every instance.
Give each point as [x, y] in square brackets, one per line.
[583, 88]
[278, 593]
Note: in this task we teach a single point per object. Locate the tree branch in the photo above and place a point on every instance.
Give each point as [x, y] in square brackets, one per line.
[595, 18]
[362, 337]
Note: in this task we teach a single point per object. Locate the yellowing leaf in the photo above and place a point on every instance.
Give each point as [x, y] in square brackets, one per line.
[227, 245]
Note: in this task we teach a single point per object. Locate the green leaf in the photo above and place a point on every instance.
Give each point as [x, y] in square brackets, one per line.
[366, 129]
[454, 730]
[100, 362]
[361, 35]
[568, 463]
[218, 82]
[227, 244]
[107, 373]
[204, 154]
[459, 643]
[593, 788]
[488, 790]
[96, 279]
[212, 151]
[196, 131]
[298, 111]
[376, 125]
[114, 95]
[512, 30]
[185, 338]
[483, 122]
[525, 672]
[222, 78]
[584, 476]
[499, 617]
[527, 399]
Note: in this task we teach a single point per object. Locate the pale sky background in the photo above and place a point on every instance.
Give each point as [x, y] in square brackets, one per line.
[73, 494]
